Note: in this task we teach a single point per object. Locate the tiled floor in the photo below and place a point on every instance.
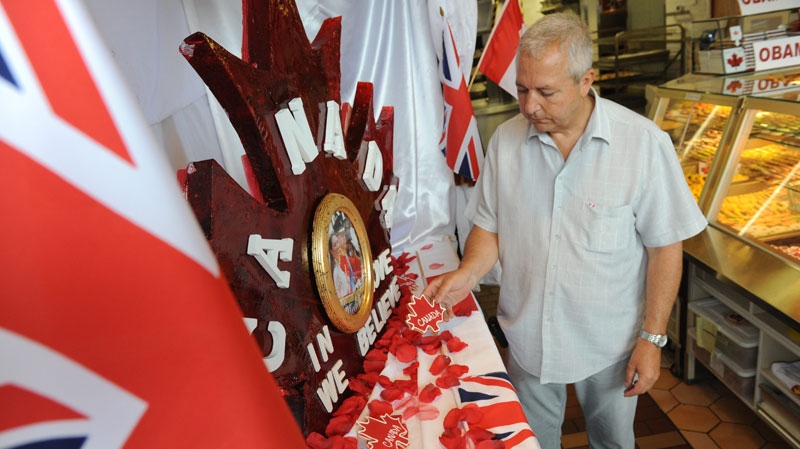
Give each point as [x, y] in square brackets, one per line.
[675, 415]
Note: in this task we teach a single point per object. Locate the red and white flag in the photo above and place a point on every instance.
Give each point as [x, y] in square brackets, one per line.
[116, 328]
[499, 58]
[460, 141]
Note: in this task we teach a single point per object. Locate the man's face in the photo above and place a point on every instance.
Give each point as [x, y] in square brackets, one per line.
[548, 97]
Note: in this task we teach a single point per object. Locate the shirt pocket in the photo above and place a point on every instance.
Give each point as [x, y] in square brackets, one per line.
[607, 229]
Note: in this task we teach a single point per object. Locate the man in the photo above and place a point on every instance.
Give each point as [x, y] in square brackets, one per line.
[584, 203]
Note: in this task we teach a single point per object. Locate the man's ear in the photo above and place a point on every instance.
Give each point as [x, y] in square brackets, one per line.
[587, 80]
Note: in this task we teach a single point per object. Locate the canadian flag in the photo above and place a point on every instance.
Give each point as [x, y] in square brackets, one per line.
[499, 58]
[116, 329]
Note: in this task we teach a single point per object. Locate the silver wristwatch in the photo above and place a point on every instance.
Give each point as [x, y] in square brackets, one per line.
[658, 340]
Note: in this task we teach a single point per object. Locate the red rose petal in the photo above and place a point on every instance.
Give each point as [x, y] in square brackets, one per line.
[392, 394]
[374, 366]
[369, 378]
[429, 393]
[339, 425]
[453, 417]
[376, 354]
[446, 335]
[406, 353]
[351, 406]
[360, 387]
[439, 364]
[431, 349]
[455, 344]
[457, 370]
[478, 434]
[471, 414]
[455, 442]
[317, 441]
[407, 385]
[410, 412]
[427, 413]
[385, 382]
[380, 408]
[447, 381]
[411, 370]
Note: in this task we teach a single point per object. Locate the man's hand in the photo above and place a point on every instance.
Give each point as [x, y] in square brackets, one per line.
[644, 367]
[449, 289]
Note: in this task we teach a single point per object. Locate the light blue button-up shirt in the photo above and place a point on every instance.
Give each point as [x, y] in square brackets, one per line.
[572, 235]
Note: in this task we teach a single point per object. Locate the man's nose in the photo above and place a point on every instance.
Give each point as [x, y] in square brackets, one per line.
[531, 104]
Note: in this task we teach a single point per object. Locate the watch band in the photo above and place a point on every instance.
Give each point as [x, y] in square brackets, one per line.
[656, 339]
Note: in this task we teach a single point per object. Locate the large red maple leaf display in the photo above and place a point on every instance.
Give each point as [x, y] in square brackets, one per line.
[279, 65]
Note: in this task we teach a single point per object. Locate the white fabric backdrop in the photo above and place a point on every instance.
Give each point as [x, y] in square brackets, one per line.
[391, 43]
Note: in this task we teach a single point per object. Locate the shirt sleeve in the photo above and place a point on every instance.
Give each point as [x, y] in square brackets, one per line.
[666, 211]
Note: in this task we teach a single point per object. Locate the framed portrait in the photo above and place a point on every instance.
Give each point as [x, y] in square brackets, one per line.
[342, 262]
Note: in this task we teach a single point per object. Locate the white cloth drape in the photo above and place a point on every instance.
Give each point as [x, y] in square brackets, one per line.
[392, 44]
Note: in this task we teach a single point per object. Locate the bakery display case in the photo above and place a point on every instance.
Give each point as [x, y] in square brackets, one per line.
[758, 194]
[738, 140]
[743, 271]
[695, 112]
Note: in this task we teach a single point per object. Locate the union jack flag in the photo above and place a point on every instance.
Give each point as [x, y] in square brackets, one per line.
[460, 142]
[496, 398]
[116, 329]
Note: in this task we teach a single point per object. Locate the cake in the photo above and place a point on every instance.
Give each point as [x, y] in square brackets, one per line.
[320, 173]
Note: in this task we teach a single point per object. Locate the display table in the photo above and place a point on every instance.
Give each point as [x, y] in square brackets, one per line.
[483, 388]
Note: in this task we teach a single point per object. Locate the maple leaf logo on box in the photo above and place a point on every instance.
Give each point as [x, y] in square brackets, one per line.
[735, 60]
[423, 314]
[388, 431]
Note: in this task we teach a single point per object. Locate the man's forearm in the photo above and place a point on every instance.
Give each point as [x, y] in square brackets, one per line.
[664, 268]
[480, 253]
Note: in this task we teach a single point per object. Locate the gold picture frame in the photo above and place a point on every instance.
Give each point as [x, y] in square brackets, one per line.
[342, 262]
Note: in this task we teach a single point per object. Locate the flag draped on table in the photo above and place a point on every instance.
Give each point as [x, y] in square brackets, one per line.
[116, 329]
[460, 142]
[497, 400]
[499, 58]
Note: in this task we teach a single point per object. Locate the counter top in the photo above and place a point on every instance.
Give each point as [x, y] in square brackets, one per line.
[773, 281]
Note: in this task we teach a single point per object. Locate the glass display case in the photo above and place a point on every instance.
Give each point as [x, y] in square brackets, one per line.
[758, 193]
[695, 112]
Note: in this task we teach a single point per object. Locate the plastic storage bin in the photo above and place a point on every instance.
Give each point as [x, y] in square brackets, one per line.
[736, 338]
[740, 380]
